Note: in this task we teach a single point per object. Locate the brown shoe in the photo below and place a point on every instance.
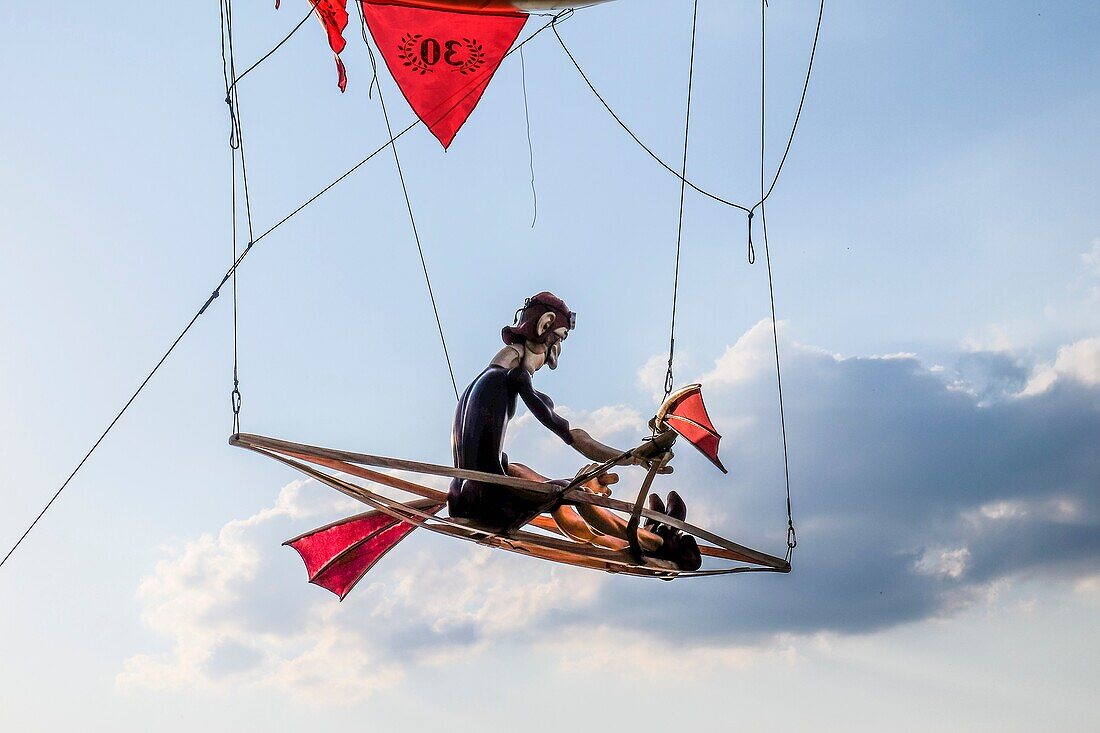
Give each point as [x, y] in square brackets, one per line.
[677, 509]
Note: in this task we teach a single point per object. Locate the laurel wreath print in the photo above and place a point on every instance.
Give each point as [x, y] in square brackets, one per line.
[475, 56]
[465, 61]
[408, 55]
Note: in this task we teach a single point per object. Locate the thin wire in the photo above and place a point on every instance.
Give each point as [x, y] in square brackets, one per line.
[763, 113]
[670, 169]
[233, 100]
[637, 139]
[530, 146]
[235, 394]
[101, 437]
[680, 216]
[213, 296]
[792, 540]
[409, 207]
[277, 46]
[801, 103]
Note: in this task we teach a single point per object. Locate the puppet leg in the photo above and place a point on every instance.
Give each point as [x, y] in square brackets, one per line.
[592, 524]
[574, 526]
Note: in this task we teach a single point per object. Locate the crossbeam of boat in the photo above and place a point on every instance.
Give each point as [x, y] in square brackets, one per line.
[352, 463]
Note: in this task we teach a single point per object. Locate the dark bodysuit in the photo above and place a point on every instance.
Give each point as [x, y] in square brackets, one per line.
[477, 441]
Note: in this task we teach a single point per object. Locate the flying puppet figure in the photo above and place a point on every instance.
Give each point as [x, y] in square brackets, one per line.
[441, 53]
[505, 504]
[481, 422]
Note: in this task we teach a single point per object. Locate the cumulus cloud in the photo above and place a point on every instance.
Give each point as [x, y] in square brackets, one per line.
[1079, 362]
[746, 360]
[234, 610]
[917, 492]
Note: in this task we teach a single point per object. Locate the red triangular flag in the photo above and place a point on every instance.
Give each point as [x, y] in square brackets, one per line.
[442, 60]
[685, 413]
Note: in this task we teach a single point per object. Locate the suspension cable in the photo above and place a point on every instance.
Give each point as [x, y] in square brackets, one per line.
[798, 114]
[749, 210]
[792, 540]
[530, 146]
[680, 216]
[236, 143]
[408, 204]
[266, 56]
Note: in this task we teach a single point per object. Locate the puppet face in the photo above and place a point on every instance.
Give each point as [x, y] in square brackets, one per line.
[548, 351]
[560, 334]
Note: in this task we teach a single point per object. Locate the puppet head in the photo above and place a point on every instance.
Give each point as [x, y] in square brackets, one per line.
[541, 325]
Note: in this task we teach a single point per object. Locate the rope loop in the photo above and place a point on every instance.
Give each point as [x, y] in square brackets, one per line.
[234, 126]
[669, 381]
[234, 130]
[752, 250]
[235, 402]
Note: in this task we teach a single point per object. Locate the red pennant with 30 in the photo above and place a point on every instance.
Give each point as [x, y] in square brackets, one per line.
[442, 61]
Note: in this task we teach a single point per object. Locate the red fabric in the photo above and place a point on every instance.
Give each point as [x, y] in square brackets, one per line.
[442, 61]
[688, 417]
[337, 555]
[333, 15]
[464, 6]
[341, 75]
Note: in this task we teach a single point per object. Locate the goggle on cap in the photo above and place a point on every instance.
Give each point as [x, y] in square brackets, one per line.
[527, 317]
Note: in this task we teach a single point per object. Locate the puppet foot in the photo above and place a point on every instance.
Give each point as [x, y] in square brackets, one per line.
[677, 547]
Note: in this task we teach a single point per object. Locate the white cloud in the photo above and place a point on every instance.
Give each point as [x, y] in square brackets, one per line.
[1078, 362]
[236, 612]
[1089, 589]
[949, 563]
[606, 422]
[753, 354]
[1056, 509]
[651, 375]
[606, 649]
[1004, 510]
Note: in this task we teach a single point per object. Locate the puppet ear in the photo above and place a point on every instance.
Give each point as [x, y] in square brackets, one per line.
[546, 321]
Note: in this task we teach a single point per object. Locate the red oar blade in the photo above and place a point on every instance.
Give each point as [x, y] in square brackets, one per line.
[338, 555]
[685, 413]
[442, 60]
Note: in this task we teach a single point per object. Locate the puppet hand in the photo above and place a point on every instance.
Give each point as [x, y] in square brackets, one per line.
[600, 484]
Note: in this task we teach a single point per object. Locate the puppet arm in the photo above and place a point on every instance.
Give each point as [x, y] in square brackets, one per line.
[591, 448]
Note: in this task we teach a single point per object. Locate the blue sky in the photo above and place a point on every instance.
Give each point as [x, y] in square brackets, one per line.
[936, 244]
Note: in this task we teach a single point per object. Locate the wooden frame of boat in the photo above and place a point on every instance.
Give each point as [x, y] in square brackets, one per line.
[550, 545]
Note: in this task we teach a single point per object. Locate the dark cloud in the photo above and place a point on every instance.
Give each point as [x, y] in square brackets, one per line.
[910, 491]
